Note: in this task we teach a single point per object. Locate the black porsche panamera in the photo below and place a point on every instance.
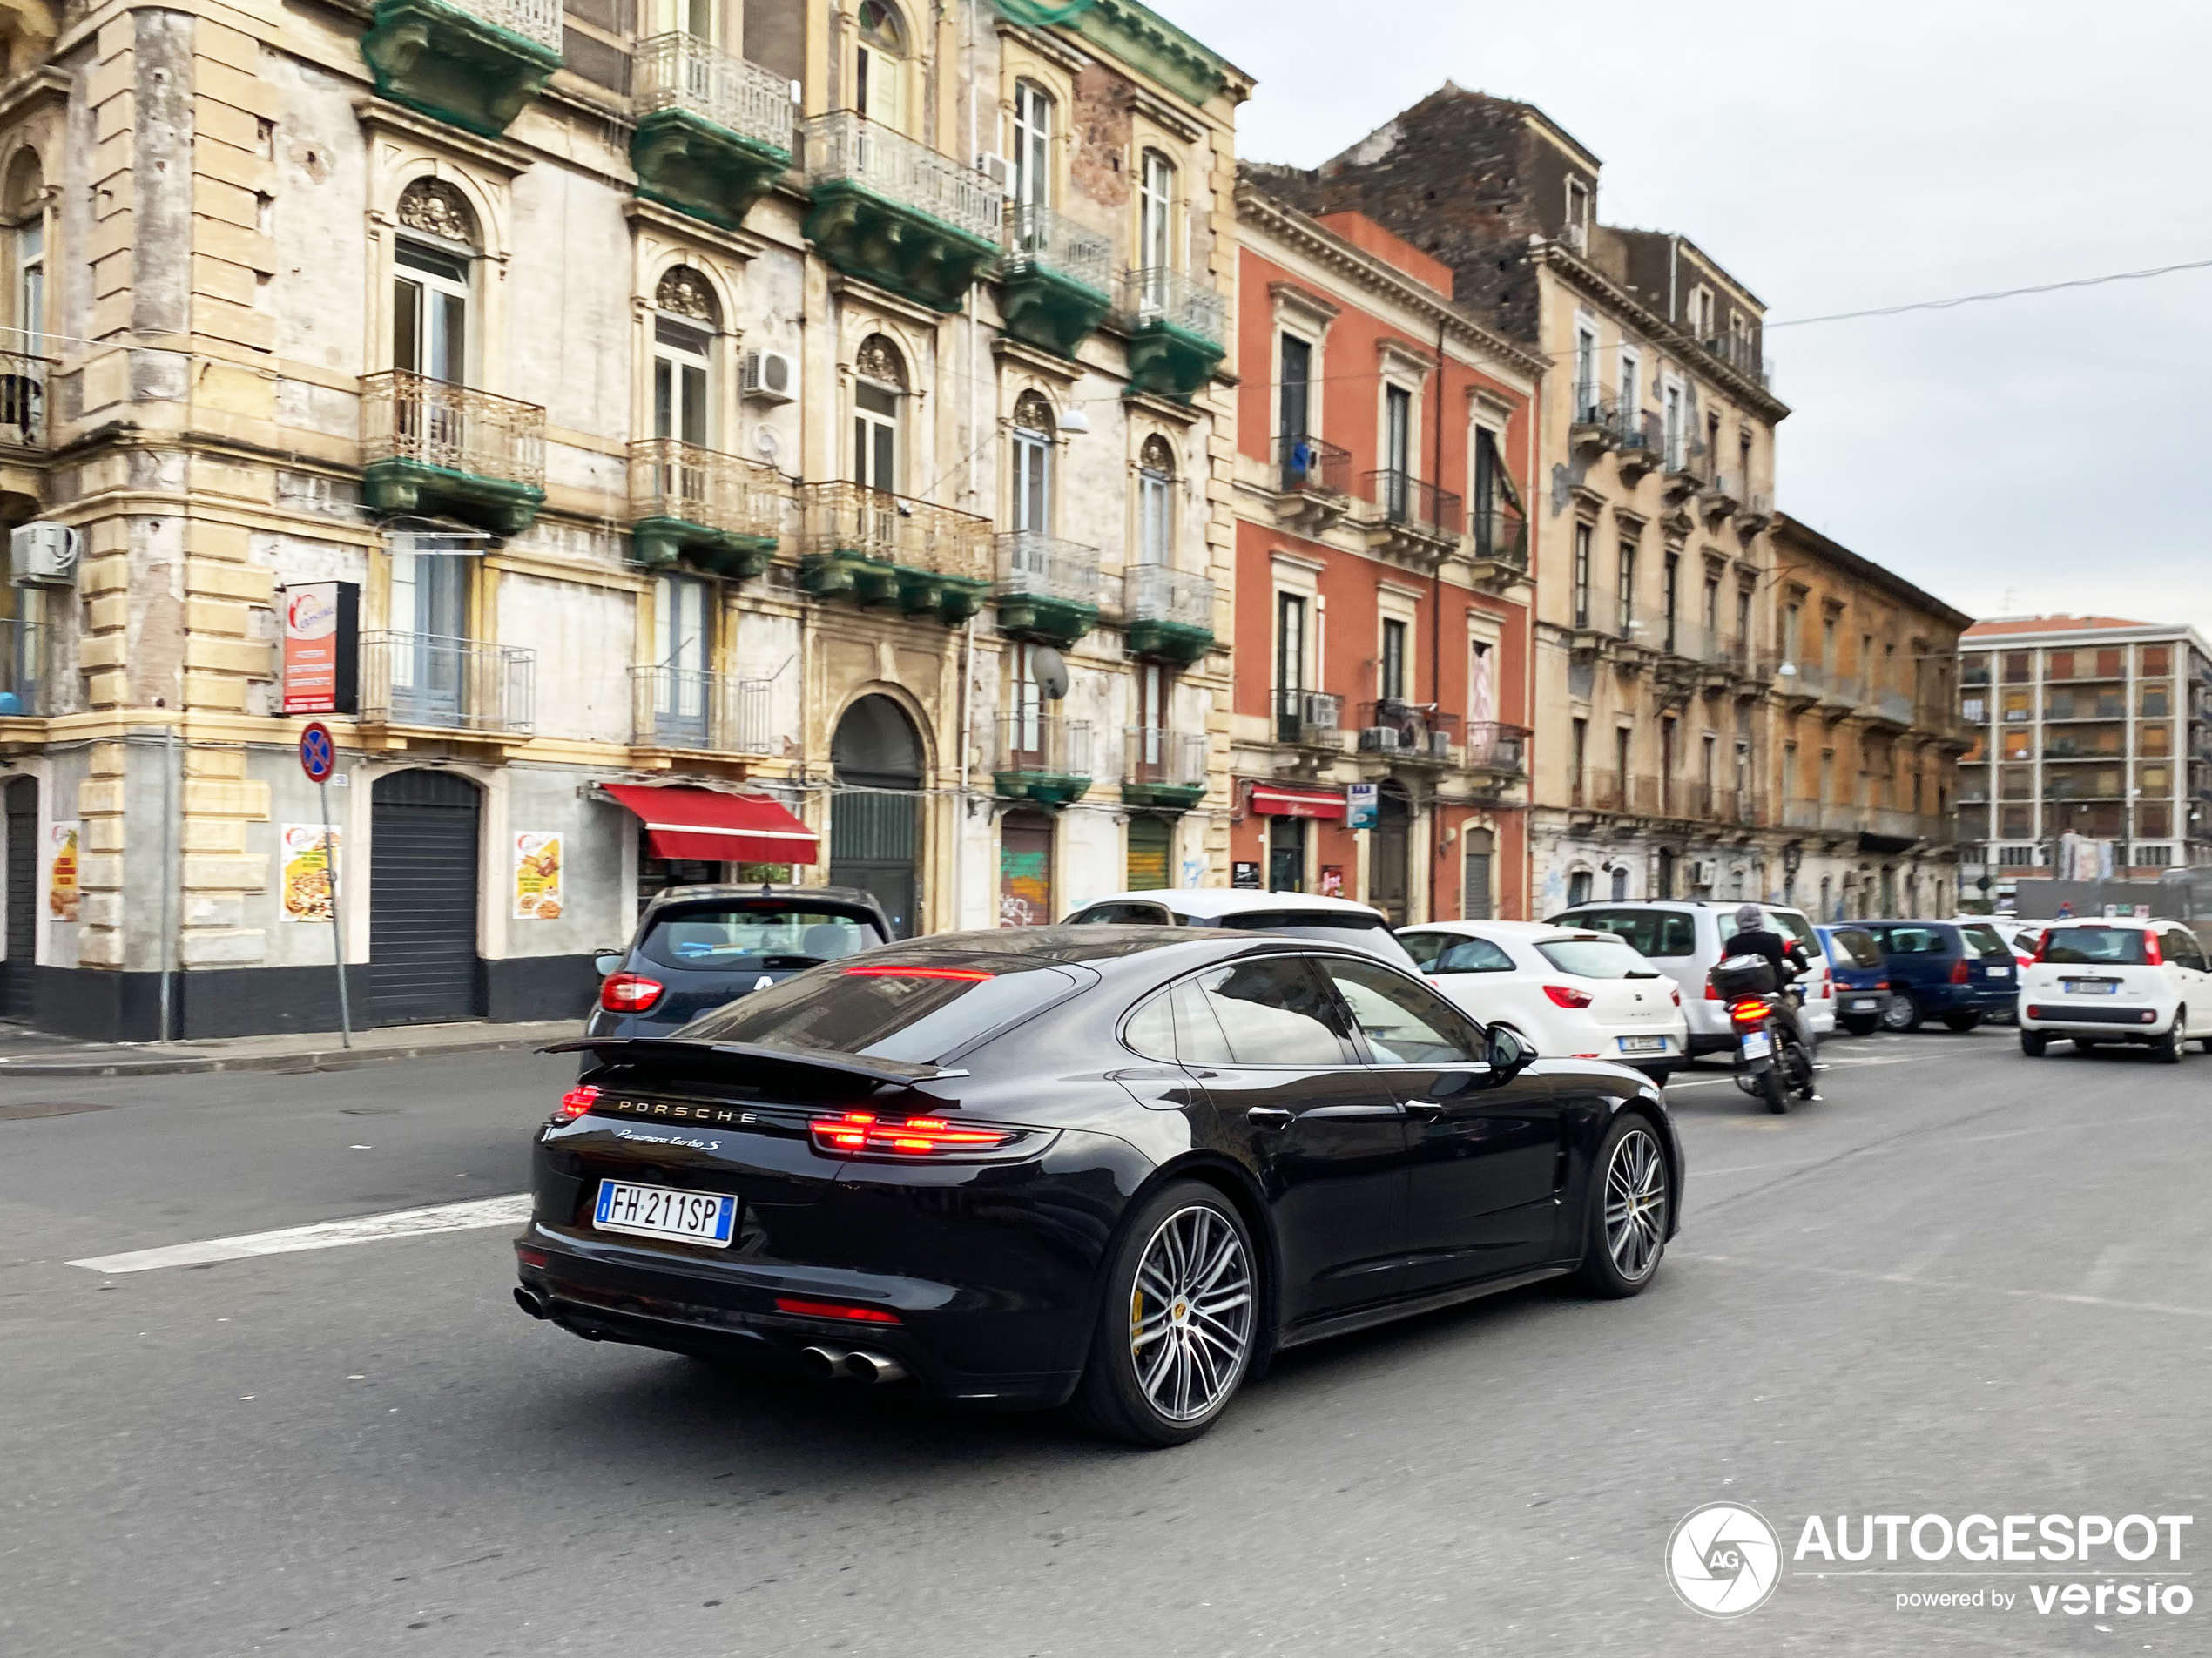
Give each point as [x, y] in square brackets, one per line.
[1117, 1167]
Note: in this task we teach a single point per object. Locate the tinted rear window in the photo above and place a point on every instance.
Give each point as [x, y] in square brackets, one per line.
[2115, 946]
[915, 1012]
[1592, 958]
[1910, 940]
[745, 938]
[1984, 940]
[1367, 933]
[1651, 932]
[1855, 947]
[1121, 915]
[1790, 924]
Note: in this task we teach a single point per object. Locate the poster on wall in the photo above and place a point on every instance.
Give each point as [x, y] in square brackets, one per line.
[1332, 880]
[321, 647]
[306, 871]
[1362, 804]
[61, 870]
[537, 876]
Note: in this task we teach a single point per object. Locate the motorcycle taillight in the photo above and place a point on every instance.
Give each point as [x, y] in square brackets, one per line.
[1749, 1011]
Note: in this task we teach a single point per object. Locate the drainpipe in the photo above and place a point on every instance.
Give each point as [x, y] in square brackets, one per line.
[1436, 625]
[169, 839]
[960, 798]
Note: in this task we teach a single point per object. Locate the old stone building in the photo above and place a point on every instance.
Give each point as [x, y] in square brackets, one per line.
[810, 410]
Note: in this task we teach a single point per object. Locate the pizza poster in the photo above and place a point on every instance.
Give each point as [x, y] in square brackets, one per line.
[537, 876]
[62, 843]
[307, 848]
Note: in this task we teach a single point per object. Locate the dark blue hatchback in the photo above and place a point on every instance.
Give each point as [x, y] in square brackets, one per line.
[1959, 972]
[1861, 975]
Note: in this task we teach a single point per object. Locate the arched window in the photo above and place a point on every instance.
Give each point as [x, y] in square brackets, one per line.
[1033, 112]
[1032, 428]
[878, 393]
[432, 293]
[880, 66]
[1156, 502]
[686, 321]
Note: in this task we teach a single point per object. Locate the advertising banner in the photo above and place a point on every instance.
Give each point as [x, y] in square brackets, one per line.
[306, 871]
[537, 876]
[1362, 805]
[321, 648]
[61, 870]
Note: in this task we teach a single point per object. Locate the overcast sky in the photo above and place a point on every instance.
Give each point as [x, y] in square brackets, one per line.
[2027, 455]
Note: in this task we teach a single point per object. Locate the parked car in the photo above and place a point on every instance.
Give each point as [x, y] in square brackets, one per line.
[697, 948]
[2145, 982]
[1684, 937]
[1960, 973]
[1576, 994]
[1297, 915]
[1114, 1166]
[2020, 936]
[1861, 976]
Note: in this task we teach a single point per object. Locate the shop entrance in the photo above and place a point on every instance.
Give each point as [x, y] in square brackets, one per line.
[423, 967]
[1025, 869]
[875, 816]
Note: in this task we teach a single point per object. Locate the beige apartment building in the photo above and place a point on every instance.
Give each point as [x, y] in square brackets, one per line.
[815, 401]
[1672, 756]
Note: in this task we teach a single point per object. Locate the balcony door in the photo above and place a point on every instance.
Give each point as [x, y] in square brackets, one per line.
[1398, 449]
[1150, 757]
[1297, 411]
[1032, 156]
[1156, 502]
[682, 659]
[1025, 700]
[682, 361]
[1290, 665]
[429, 650]
[1154, 227]
[880, 66]
[1032, 503]
[430, 300]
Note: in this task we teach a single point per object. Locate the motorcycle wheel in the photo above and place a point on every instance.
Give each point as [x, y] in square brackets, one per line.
[1770, 1090]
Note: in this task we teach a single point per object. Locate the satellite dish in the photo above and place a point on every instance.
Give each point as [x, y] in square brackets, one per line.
[1051, 671]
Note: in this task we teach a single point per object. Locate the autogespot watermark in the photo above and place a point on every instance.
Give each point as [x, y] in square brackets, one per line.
[1725, 1560]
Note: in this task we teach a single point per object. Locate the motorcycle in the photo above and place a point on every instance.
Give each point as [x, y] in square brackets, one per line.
[1771, 1060]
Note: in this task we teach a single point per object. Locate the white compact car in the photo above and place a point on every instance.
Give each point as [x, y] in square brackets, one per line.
[2143, 982]
[1685, 937]
[1299, 915]
[1572, 993]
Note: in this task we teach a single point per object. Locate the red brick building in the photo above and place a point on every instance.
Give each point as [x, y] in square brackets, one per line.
[1385, 455]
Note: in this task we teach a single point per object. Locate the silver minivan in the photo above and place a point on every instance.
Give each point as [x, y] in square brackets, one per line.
[1683, 937]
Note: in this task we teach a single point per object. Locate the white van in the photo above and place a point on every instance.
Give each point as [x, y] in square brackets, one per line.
[1683, 937]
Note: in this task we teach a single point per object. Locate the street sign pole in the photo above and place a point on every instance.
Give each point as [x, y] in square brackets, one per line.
[318, 758]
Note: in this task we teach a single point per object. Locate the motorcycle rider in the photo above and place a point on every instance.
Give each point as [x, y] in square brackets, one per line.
[1787, 956]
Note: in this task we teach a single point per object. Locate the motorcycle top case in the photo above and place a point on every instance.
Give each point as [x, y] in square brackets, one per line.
[1743, 976]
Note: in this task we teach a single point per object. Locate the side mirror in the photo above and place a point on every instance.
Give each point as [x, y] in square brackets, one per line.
[606, 962]
[1506, 1052]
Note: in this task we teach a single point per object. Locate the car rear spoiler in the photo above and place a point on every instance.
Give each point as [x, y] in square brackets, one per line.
[617, 1049]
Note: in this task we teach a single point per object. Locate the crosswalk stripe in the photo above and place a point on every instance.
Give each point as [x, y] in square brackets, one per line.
[510, 1210]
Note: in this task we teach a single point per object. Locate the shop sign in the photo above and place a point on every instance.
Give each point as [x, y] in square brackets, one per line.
[321, 648]
[1362, 804]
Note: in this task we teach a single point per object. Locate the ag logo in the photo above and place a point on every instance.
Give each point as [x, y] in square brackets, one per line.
[763, 982]
[1723, 1560]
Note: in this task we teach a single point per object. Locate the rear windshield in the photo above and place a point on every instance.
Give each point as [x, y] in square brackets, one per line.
[1349, 928]
[1857, 948]
[1912, 940]
[1449, 953]
[745, 938]
[1592, 958]
[1984, 940]
[915, 1012]
[1651, 932]
[1791, 925]
[2091, 945]
[1121, 915]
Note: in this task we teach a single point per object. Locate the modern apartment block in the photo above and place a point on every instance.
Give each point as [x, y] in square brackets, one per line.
[806, 417]
[2086, 725]
[1386, 449]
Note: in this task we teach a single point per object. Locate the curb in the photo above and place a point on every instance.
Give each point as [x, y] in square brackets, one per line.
[330, 1059]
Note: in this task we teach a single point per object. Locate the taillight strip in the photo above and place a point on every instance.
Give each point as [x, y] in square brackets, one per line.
[852, 1132]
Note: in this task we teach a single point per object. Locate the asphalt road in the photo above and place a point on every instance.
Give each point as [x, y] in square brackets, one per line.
[1967, 1283]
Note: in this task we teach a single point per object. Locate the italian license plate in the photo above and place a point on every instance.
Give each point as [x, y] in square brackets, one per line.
[1863, 1005]
[657, 1212]
[1644, 1044]
[2089, 987]
[2000, 973]
[1758, 1044]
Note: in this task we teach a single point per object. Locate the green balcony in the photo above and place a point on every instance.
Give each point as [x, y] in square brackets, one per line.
[1047, 589]
[1177, 328]
[878, 549]
[437, 449]
[1168, 615]
[1054, 279]
[714, 132]
[896, 213]
[475, 64]
[1162, 770]
[1041, 757]
[722, 513]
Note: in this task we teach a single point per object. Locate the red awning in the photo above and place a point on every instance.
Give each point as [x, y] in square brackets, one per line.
[1297, 803]
[717, 828]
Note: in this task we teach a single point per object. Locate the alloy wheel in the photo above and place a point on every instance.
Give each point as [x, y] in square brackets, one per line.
[1899, 1013]
[1635, 1204]
[1191, 1314]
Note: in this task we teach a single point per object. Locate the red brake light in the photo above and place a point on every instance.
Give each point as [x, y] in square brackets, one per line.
[1676, 992]
[577, 1101]
[1712, 991]
[853, 1132]
[972, 974]
[1749, 1011]
[1959, 974]
[1827, 986]
[628, 993]
[1564, 996]
[2152, 957]
[834, 1309]
[2042, 940]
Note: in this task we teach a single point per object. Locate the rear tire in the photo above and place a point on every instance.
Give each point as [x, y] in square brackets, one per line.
[1631, 1203]
[1179, 1326]
[2169, 1048]
[1901, 1013]
[1961, 1021]
[1770, 1090]
[2032, 1043]
[1862, 1026]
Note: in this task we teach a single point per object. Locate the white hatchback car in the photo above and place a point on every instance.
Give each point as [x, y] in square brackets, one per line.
[1298, 915]
[1685, 937]
[2143, 982]
[1571, 994]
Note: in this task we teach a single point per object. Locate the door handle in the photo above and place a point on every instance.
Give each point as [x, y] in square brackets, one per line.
[1267, 1117]
[1422, 1109]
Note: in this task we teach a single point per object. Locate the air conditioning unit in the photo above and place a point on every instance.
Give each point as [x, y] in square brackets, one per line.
[769, 375]
[1440, 745]
[43, 555]
[998, 169]
[1318, 707]
[1703, 872]
[1379, 739]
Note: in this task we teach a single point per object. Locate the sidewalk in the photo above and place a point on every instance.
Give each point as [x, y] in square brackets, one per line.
[30, 1052]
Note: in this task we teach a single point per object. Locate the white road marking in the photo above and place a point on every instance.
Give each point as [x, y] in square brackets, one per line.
[1830, 1064]
[510, 1210]
[1953, 1283]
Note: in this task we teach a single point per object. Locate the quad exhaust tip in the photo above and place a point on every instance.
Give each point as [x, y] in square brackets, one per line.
[842, 1364]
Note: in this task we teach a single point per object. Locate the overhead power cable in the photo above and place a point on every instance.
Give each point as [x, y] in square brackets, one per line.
[2000, 294]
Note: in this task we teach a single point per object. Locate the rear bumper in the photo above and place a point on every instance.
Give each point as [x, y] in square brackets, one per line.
[2136, 1024]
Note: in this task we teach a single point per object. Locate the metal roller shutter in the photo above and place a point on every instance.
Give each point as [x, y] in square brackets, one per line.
[22, 899]
[422, 896]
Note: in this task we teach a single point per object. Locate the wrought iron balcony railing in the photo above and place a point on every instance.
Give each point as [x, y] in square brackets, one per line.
[1031, 741]
[849, 148]
[1740, 352]
[1158, 296]
[1310, 717]
[450, 684]
[1157, 593]
[538, 20]
[1039, 238]
[850, 518]
[681, 72]
[1163, 760]
[1034, 565]
[406, 416]
[1311, 466]
[1392, 728]
[1501, 534]
[1398, 498]
[692, 708]
[1596, 406]
[1493, 745]
[23, 399]
[722, 492]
